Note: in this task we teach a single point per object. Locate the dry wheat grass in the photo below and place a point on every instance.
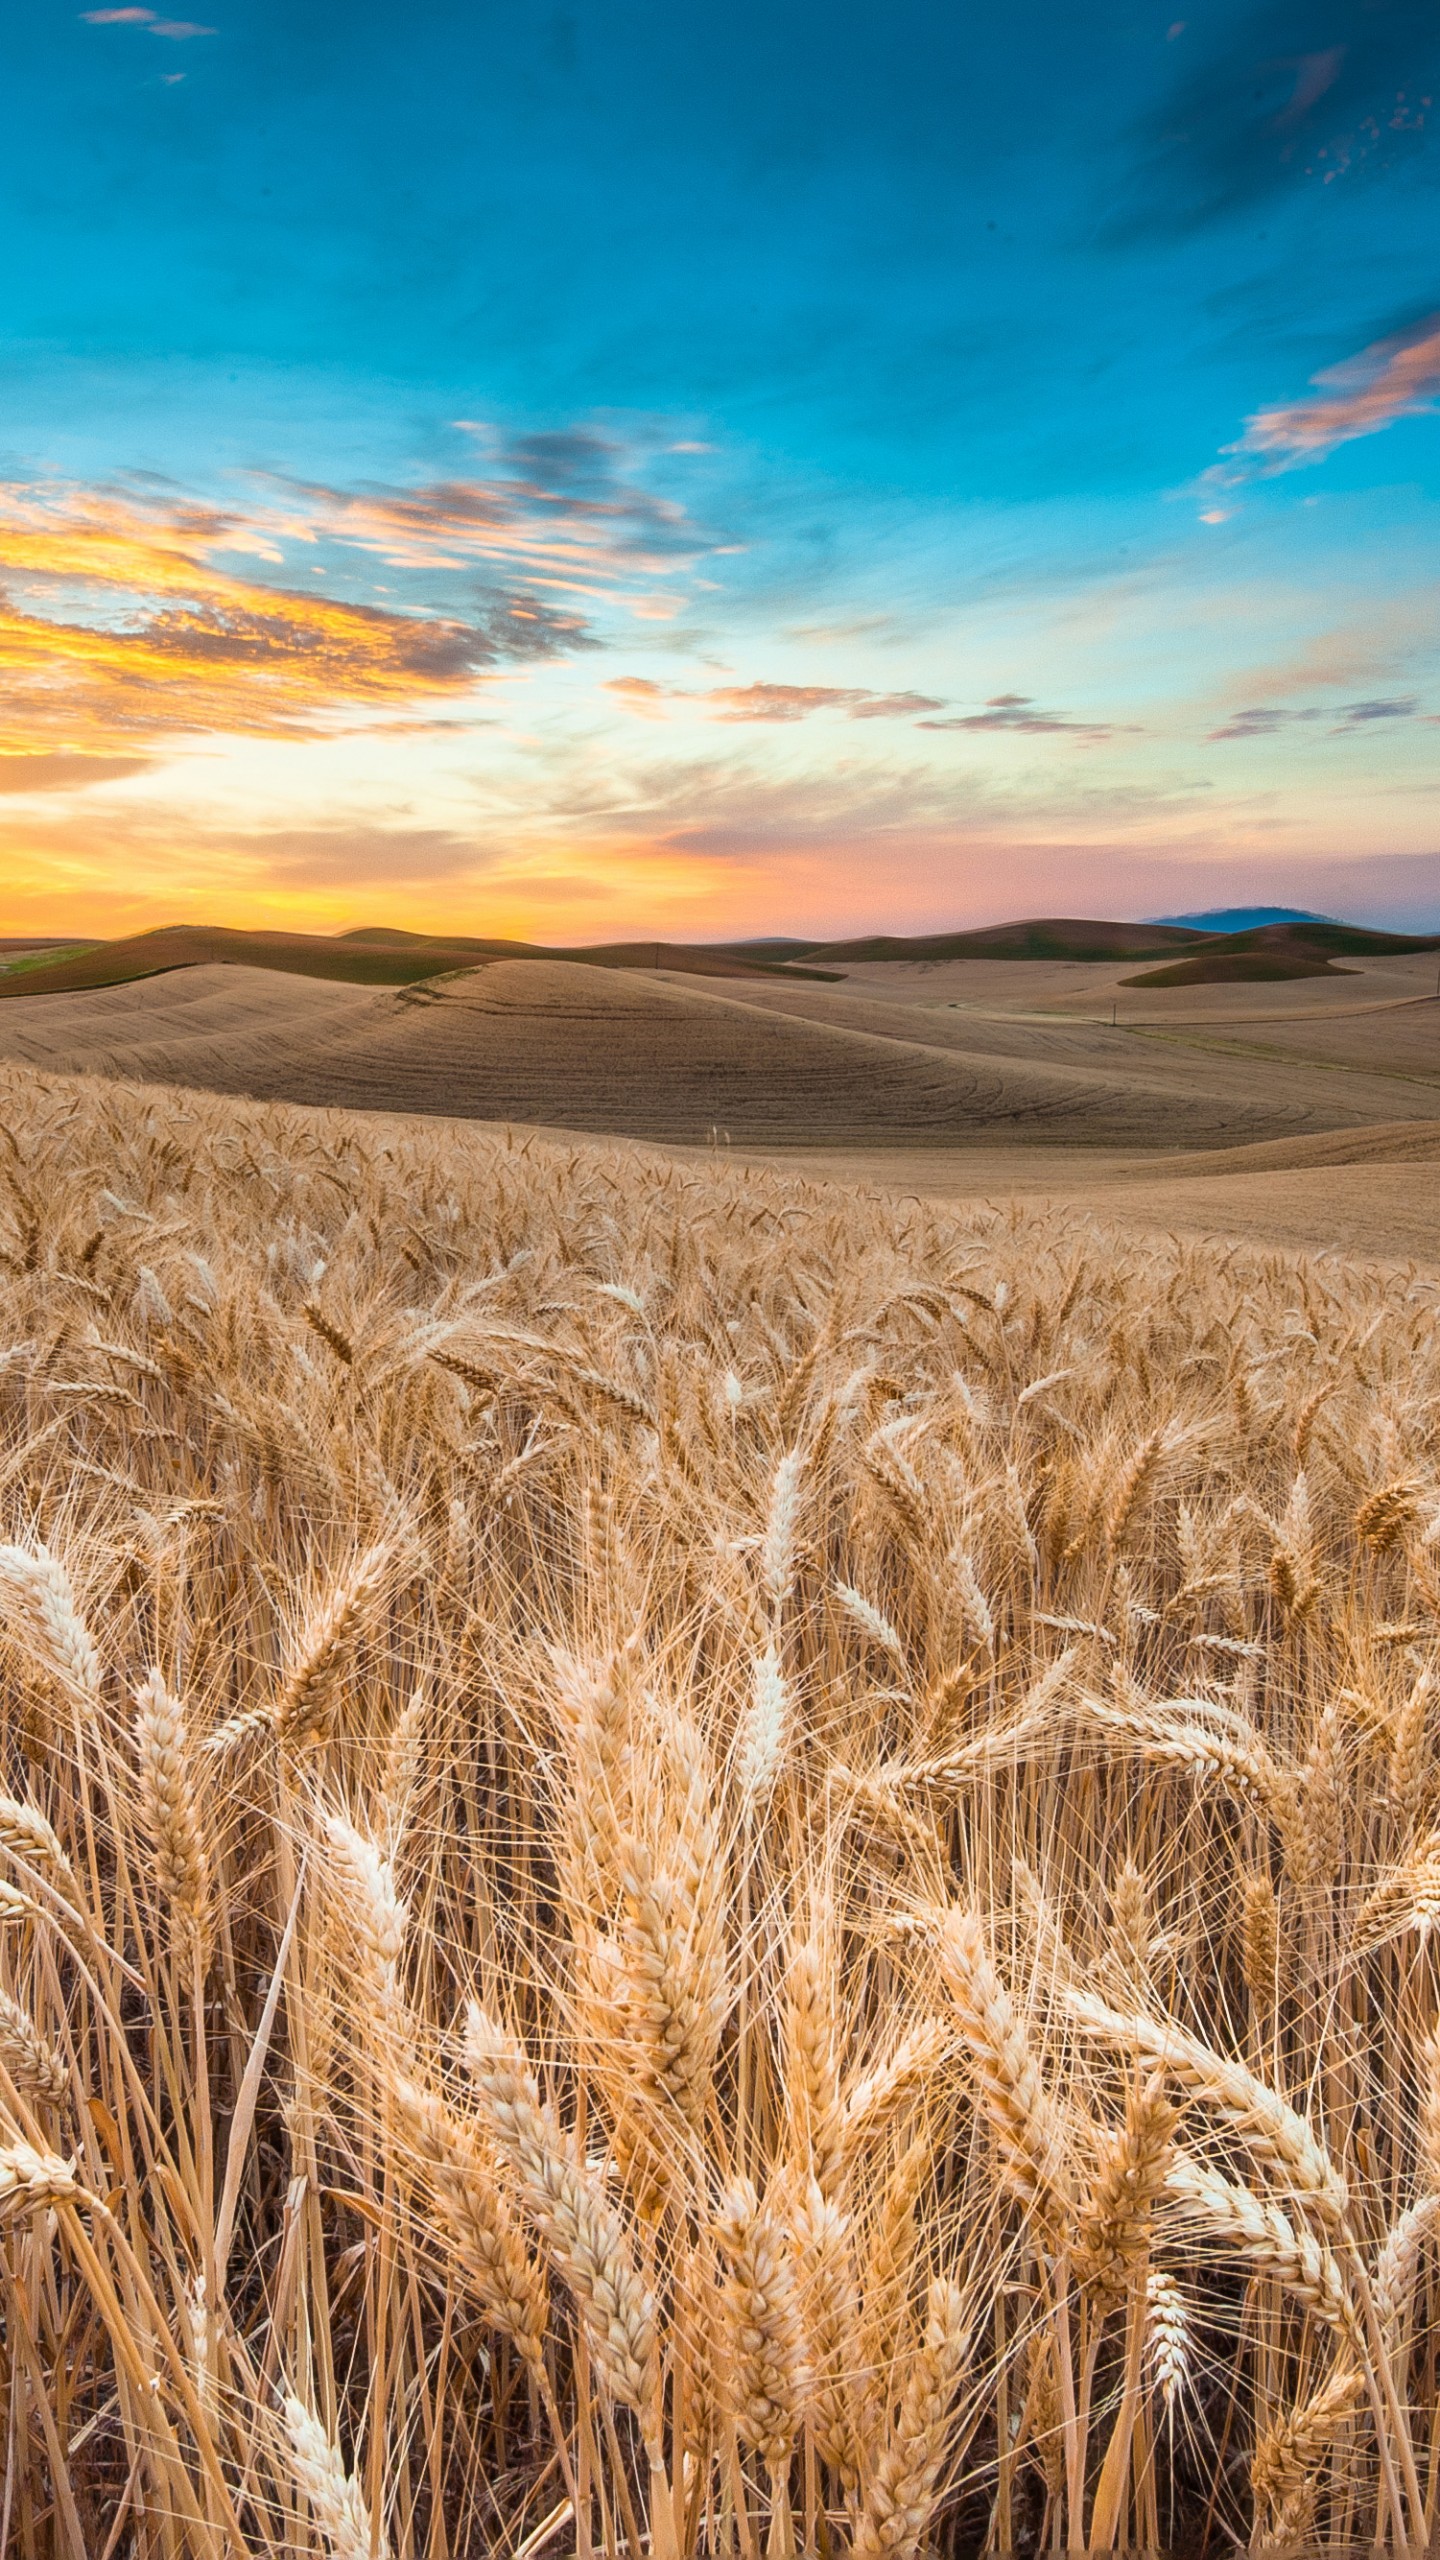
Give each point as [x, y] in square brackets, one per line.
[689, 1866]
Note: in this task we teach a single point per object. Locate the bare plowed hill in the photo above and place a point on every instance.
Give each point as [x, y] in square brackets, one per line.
[1289, 1074]
[559, 1044]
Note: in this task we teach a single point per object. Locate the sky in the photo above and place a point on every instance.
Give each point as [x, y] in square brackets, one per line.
[565, 472]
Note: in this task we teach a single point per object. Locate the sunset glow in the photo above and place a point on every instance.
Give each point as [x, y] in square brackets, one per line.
[573, 474]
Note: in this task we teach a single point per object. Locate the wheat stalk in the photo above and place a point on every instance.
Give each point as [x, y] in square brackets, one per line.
[333, 2497]
[170, 1807]
[1273, 2244]
[569, 2206]
[1278, 2139]
[900, 2500]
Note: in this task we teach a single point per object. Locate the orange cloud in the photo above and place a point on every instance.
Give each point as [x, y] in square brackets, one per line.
[1397, 377]
[117, 625]
[797, 701]
[125, 615]
[65, 771]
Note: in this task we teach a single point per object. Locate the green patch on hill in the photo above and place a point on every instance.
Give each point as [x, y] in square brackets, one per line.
[11, 965]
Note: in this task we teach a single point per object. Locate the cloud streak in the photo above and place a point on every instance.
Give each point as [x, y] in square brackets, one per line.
[1280, 94]
[1396, 377]
[177, 29]
[65, 771]
[565, 509]
[1262, 719]
[1017, 712]
[772, 705]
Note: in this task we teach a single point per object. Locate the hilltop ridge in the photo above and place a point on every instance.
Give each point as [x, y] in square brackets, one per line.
[395, 956]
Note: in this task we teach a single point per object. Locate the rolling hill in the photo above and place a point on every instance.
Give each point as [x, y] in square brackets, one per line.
[375, 956]
[555, 1044]
[1030, 938]
[1276, 951]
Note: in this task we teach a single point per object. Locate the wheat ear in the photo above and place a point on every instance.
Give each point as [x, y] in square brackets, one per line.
[367, 1884]
[777, 1546]
[1167, 2334]
[765, 1732]
[1289, 2454]
[448, 2160]
[1115, 2221]
[875, 2103]
[674, 1987]
[580, 2226]
[811, 2072]
[832, 2358]
[35, 2066]
[305, 1708]
[1024, 2117]
[900, 2499]
[1237, 1762]
[42, 1600]
[1259, 2231]
[764, 2340]
[332, 2494]
[32, 2181]
[25, 1834]
[1397, 2265]
[170, 1808]
[1275, 2136]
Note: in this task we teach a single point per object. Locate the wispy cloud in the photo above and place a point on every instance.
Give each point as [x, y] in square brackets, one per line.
[1276, 93]
[177, 29]
[773, 704]
[364, 856]
[568, 510]
[1017, 711]
[797, 701]
[64, 771]
[116, 624]
[1396, 377]
[1261, 720]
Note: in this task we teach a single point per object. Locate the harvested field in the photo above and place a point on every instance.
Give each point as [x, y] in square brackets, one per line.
[690, 1861]
[1236, 1068]
[558, 1044]
[1372, 1192]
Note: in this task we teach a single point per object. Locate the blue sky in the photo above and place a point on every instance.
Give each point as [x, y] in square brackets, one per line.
[573, 471]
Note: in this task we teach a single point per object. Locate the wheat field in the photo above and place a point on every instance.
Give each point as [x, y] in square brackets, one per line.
[690, 1864]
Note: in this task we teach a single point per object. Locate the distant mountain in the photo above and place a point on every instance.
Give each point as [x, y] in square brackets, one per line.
[1244, 919]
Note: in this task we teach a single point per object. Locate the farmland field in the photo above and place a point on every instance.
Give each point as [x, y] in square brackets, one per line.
[733, 1860]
